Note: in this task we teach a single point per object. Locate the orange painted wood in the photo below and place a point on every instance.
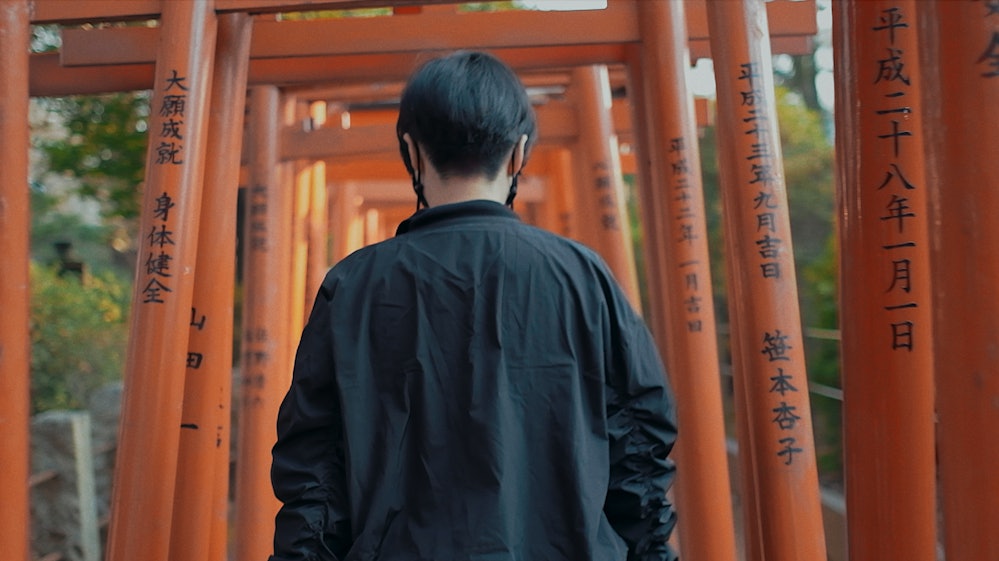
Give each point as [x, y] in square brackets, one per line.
[346, 223]
[201, 501]
[50, 79]
[675, 223]
[556, 123]
[885, 304]
[146, 463]
[300, 301]
[266, 359]
[647, 173]
[318, 232]
[15, 226]
[366, 36]
[599, 186]
[763, 302]
[962, 142]
[785, 17]
[71, 11]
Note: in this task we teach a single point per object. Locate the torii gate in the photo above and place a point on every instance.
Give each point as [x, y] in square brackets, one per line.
[647, 37]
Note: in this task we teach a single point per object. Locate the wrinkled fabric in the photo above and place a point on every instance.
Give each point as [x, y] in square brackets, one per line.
[474, 389]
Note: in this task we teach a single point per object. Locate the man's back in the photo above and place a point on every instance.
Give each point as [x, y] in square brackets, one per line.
[491, 386]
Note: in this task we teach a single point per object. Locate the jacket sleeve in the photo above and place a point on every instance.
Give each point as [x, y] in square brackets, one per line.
[642, 429]
[308, 469]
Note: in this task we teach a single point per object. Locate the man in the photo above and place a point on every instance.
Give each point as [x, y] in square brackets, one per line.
[474, 389]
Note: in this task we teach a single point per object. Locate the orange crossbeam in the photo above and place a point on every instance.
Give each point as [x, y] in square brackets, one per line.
[48, 78]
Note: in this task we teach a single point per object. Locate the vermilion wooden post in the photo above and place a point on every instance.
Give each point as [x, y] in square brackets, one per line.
[885, 300]
[545, 162]
[15, 226]
[563, 193]
[146, 464]
[963, 142]
[266, 354]
[200, 516]
[348, 235]
[763, 301]
[302, 188]
[674, 200]
[318, 260]
[600, 187]
[648, 174]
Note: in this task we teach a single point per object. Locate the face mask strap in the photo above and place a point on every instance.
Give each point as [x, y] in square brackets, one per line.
[513, 191]
[421, 200]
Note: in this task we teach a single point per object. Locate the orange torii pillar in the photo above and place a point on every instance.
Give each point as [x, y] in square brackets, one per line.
[885, 311]
[200, 517]
[348, 232]
[768, 357]
[600, 196]
[146, 464]
[266, 361]
[15, 225]
[673, 200]
[311, 258]
[318, 234]
[964, 200]
[555, 166]
[297, 176]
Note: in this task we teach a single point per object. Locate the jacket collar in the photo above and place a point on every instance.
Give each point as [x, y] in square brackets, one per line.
[468, 210]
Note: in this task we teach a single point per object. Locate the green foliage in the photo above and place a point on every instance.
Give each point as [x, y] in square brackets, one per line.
[488, 6]
[822, 356]
[78, 336]
[808, 174]
[91, 243]
[104, 147]
[332, 14]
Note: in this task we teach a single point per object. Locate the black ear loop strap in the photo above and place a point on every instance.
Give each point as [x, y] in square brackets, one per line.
[513, 191]
[421, 200]
[513, 185]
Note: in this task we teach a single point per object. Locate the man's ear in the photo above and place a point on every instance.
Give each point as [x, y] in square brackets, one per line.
[414, 153]
[519, 155]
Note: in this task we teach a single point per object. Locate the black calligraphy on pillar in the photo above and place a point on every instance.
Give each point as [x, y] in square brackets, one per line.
[258, 203]
[194, 359]
[764, 173]
[685, 221]
[894, 80]
[172, 108]
[159, 254]
[197, 320]
[786, 413]
[606, 198]
[989, 58]
[255, 364]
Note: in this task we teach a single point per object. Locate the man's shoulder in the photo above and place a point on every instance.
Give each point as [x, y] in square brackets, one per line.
[360, 263]
[563, 247]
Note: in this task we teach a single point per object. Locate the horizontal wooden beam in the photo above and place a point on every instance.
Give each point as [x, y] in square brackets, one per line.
[93, 11]
[785, 17]
[556, 123]
[431, 31]
[434, 31]
[48, 78]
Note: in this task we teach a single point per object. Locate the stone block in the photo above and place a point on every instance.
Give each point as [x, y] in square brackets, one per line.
[63, 501]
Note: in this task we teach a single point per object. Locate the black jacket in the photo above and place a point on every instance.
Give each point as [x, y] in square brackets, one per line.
[474, 389]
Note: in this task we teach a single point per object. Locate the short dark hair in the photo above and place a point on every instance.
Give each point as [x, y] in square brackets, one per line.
[467, 110]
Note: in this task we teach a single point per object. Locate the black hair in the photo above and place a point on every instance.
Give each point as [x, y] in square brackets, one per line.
[467, 110]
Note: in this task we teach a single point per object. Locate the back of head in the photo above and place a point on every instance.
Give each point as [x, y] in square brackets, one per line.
[467, 110]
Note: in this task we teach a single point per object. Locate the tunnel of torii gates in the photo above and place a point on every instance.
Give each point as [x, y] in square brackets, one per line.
[300, 114]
